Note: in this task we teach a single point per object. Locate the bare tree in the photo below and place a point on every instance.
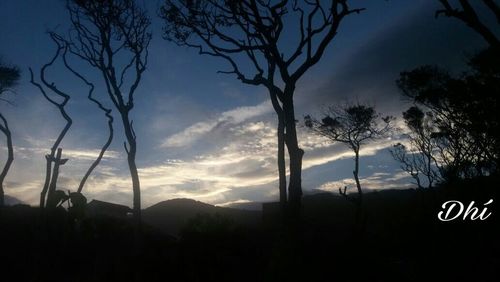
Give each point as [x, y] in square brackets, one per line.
[9, 77]
[466, 13]
[421, 160]
[51, 174]
[411, 162]
[113, 37]
[353, 126]
[253, 38]
[107, 113]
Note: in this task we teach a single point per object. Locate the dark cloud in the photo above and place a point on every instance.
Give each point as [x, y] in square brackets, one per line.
[369, 73]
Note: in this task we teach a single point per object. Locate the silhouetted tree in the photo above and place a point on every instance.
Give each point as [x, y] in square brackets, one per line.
[464, 113]
[104, 34]
[353, 126]
[52, 173]
[9, 77]
[107, 113]
[251, 36]
[466, 13]
[411, 162]
[463, 107]
[419, 158]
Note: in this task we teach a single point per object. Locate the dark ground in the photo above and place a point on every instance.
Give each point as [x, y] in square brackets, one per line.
[402, 240]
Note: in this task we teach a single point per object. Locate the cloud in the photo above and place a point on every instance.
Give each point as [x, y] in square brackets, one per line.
[241, 167]
[395, 180]
[199, 129]
[92, 154]
[79, 154]
[189, 148]
[26, 191]
[230, 203]
[368, 73]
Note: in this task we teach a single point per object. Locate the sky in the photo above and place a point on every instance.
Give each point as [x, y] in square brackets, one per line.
[207, 136]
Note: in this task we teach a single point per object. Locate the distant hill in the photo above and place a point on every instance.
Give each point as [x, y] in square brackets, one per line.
[313, 195]
[170, 216]
[319, 208]
[329, 210]
[10, 201]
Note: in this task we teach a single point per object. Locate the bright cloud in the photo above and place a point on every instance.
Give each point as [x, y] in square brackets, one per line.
[376, 181]
[241, 166]
[197, 130]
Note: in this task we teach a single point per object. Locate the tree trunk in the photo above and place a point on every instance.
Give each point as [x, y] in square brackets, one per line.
[356, 173]
[281, 151]
[429, 171]
[10, 158]
[131, 152]
[487, 34]
[101, 154]
[417, 179]
[494, 8]
[50, 158]
[295, 153]
[281, 162]
[360, 212]
[472, 20]
[48, 170]
[51, 203]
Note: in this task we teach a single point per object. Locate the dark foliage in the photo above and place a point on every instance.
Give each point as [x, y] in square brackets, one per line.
[419, 159]
[9, 77]
[403, 241]
[463, 114]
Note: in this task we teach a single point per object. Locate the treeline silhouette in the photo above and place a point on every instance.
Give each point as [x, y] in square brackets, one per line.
[402, 240]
